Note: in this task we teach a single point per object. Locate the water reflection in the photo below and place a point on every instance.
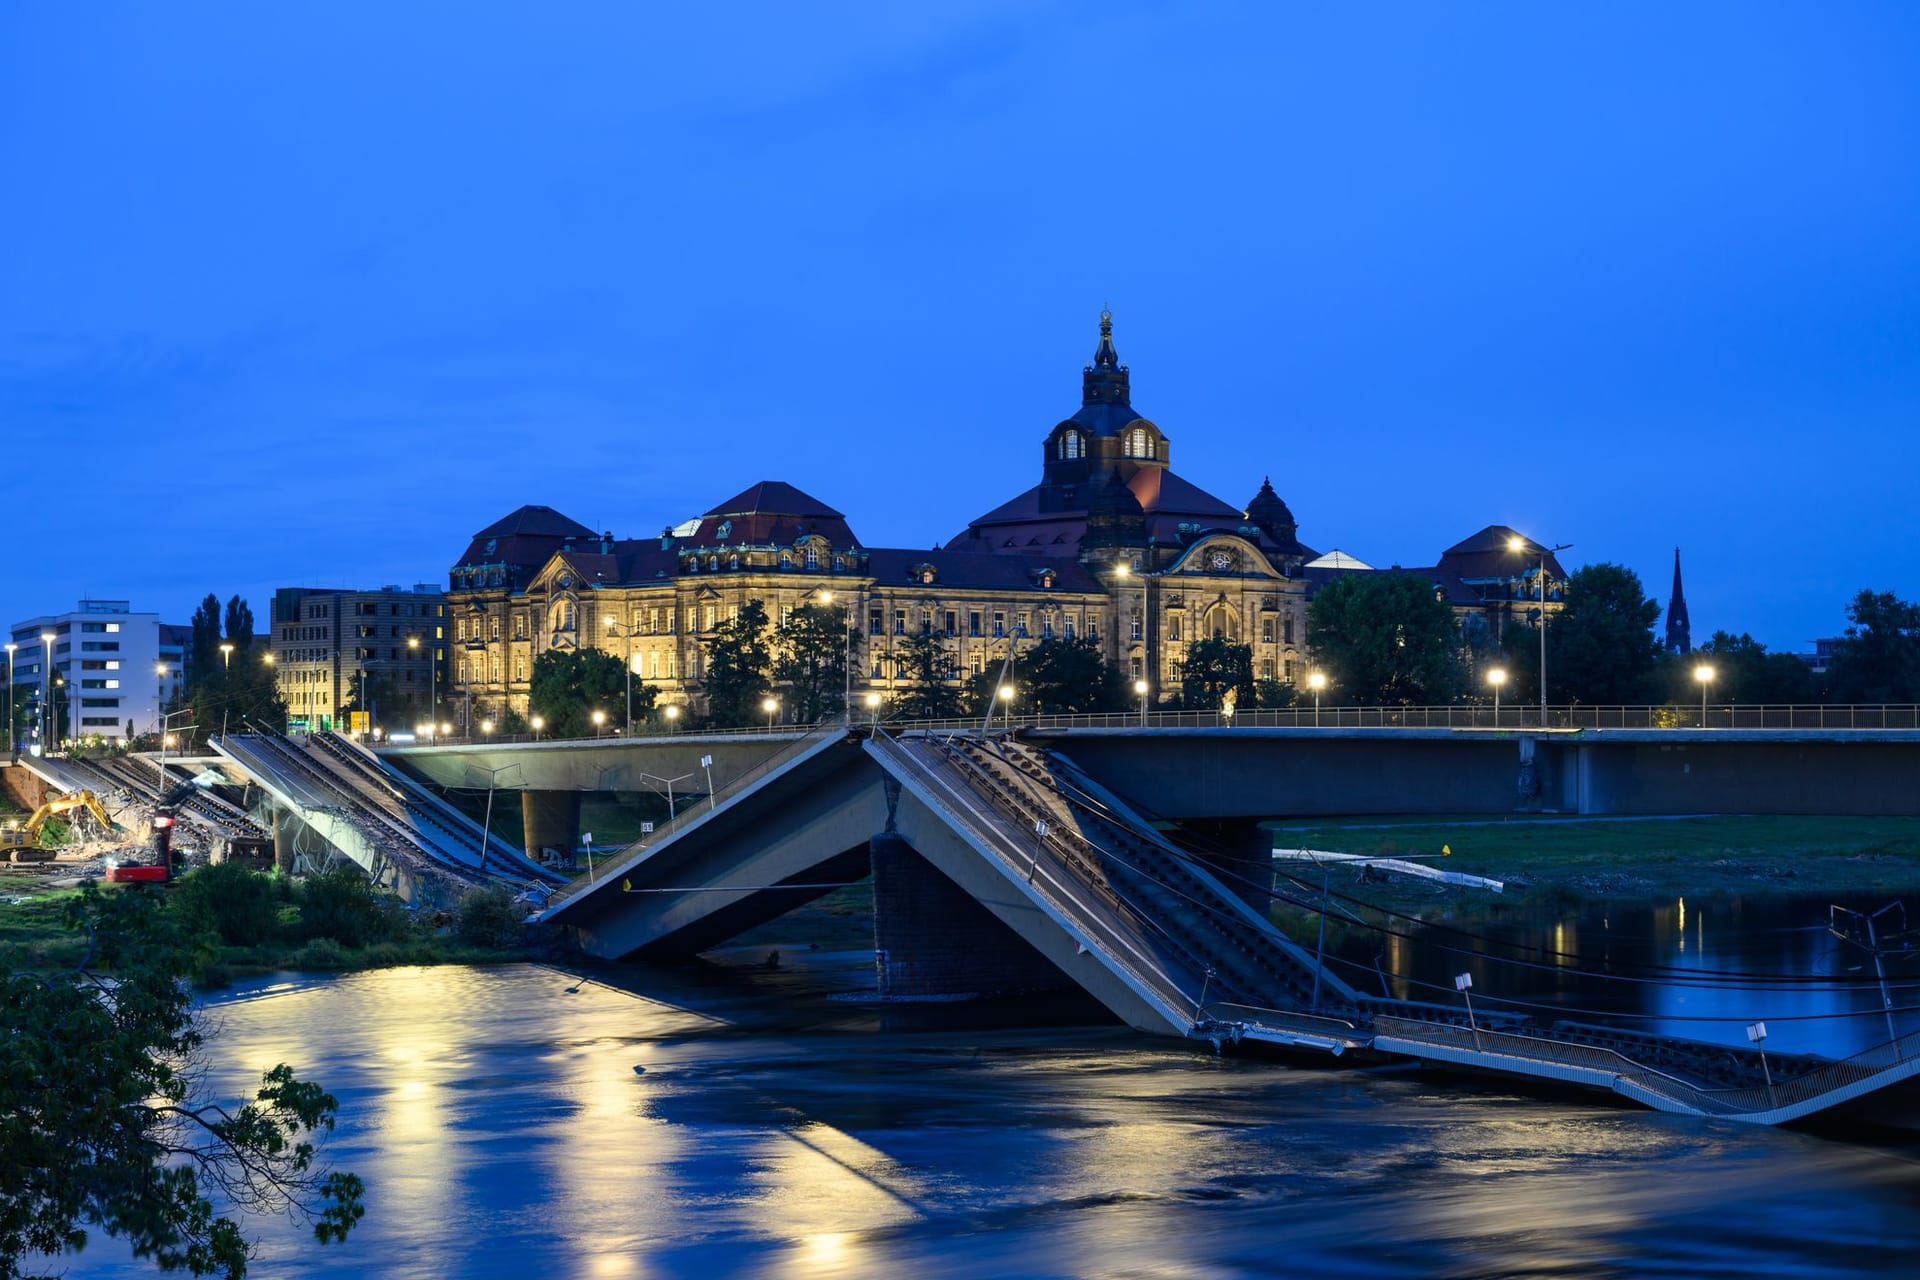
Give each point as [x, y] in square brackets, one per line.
[1658, 968]
[503, 1131]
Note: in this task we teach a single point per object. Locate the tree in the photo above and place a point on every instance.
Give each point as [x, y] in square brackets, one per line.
[1743, 671]
[104, 1125]
[812, 663]
[239, 625]
[1385, 638]
[204, 647]
[236, 691]
[928, 670]
[1063, 676]
[738, 662]
[569, 685]
[1600, 647]
[1215, 667]
[1878, 660]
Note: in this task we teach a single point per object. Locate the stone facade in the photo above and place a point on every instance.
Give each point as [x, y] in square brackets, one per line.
[1112, 545]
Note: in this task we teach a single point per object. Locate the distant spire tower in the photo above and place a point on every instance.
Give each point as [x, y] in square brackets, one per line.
[1679, 630]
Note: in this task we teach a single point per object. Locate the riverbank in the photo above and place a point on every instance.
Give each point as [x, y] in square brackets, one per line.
[1566, 861]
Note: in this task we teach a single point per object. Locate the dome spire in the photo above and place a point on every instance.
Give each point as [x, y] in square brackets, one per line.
[1104, 356]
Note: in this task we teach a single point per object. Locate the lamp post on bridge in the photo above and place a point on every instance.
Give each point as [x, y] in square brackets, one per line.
[1520, 544]
[1496, 678]
[1316, 681]
[629, 630]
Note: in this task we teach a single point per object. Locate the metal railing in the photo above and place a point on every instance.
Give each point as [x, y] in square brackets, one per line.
[1521, 716]
[1470, 716]
[695, 811]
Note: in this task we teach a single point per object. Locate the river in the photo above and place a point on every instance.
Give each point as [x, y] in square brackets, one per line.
[775, 1127]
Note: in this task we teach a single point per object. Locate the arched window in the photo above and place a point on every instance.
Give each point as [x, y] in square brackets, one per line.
[1223, 622]
[733, 562]
[1070, 444]
[713, 564]
[1139, 443]
[786, 561]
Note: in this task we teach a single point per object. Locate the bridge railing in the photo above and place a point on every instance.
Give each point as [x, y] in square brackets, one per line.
[694, 811]
[1904, 1051]
[1109, 920]
[1469, 716]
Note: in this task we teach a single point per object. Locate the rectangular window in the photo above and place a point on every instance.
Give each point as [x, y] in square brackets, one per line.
[99, 702]
[1020, 628]
[876, 624]
[95, 628]
[519, 626]
[953, 620]
[99, 721]
[976, 663]
[1286, 670]
[1266, 668]
[93, 664]
[899, 622]
[1133, 625]
[999, 623]
[100, 646]
[1289, 629]
[1266, 628]
[973, 623]
[926, 622]
[1173, 626]
[93, 684]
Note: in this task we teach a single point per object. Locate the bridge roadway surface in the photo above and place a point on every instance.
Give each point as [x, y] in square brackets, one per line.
[1002, 865]
[1190, 772]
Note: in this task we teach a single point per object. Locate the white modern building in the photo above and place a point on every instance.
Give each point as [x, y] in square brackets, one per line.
[99, 666]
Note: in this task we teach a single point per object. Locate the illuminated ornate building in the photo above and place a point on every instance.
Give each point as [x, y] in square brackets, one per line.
[1111, 545]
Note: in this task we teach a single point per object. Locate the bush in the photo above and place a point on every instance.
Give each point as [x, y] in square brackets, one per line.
[322, 954]
[234, 902]
[489, 917]
[344, 906]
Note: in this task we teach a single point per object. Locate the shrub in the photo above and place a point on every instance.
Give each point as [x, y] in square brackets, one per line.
[489, 917]
[322, 954]
[234, 902]
[343, 905]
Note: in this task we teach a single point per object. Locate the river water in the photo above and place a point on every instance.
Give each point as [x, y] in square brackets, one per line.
[776, 1127]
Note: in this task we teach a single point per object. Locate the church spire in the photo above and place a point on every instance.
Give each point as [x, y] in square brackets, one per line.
[1679, 629]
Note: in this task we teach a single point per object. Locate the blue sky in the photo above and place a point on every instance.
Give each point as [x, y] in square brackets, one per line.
[304, 294]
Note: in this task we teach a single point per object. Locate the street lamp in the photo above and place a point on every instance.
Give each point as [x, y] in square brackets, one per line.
[672, 712]
[1496, 678]
[433, 676]
[11, 742]
[599, 721]
[628, 630]
[46, 690]
[486, 728]
[1316, 681]
[770, 706]
[1704, 674]
[825, 596]
[1005, 694]
[873, 708]
[537, 724]
[1140, 687]
[226, 656]
[1517, 543]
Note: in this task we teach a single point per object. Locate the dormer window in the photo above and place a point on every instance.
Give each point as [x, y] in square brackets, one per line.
[786, 561]
[1139, 443]
[1070, 445]
[813, 557]
[733, 562]
[713, 564]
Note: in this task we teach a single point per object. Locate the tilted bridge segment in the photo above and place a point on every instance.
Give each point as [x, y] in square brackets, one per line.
[352, 804]
[1001, 867]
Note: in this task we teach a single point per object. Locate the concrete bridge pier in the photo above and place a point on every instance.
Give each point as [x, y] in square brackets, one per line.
[933, 939]
[287, 839]
[1238, 850]
[549, 820]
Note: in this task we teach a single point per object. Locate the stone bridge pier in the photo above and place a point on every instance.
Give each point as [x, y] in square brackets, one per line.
[550, 820]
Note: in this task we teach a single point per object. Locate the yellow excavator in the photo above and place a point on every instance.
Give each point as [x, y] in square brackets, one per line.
[27, 835]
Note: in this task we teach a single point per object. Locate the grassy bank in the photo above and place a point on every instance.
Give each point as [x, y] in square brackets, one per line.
[1621, 859]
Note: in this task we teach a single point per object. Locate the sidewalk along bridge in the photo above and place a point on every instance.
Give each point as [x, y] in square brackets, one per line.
[1000, 867]
[335, 796]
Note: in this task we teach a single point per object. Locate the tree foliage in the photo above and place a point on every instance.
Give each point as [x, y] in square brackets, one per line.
[927, 669]
[739, 667]
[1214, 668]
[104, 1125]
[1743, 671]
[1600, 647]
[1385, 638]
[812, 662]
[1059, 676]
[569, 685]
[1878, 659]
[237, 691]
